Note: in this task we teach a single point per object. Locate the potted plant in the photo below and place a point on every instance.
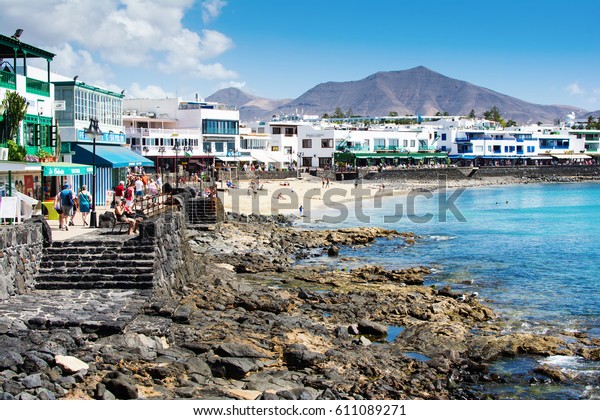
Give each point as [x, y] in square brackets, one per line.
[31, 158]
[45, 156]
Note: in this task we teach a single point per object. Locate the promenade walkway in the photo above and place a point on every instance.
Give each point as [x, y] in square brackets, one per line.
[74, 231]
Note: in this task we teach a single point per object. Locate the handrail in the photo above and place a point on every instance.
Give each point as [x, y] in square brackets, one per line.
[152, 205]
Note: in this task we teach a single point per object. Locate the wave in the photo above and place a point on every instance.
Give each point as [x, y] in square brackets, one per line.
[440, 238]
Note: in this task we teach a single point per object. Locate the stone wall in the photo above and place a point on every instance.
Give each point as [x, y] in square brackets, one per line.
[424, 174]
[545, 172]
[21, 248]
[248, 175]
[542, 173]
[174, 262]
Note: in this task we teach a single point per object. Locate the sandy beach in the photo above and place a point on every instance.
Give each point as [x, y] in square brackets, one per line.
[285, 197]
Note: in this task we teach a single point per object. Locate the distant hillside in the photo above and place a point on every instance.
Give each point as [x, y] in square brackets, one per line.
[595, 114]
[407, 92]
[251, 107]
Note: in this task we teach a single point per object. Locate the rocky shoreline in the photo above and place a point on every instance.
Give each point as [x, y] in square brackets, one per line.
[253, 324]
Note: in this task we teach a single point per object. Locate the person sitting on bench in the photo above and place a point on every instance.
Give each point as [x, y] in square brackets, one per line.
[124, 215]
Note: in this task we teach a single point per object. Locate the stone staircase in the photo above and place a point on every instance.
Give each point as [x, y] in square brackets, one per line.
[202, 211]
[97, 264]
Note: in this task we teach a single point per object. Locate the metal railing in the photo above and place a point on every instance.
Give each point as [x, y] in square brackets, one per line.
[151, 205]
[37, 87]
[8, 80]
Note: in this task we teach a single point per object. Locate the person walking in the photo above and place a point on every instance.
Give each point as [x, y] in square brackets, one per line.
[119, 192]
[85, 201]
[139, 188]
[129, 193]
[66, 203]
[74, 209]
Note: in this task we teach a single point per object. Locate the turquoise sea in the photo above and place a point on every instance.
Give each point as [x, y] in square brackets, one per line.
[530, 251]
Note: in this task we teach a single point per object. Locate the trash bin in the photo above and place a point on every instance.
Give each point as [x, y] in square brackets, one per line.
[52, 214]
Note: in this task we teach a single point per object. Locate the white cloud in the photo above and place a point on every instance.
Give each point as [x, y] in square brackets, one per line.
[151, 91]
[211, 9]
[69, 62]
[100, 40]
[575, 89]
[232, 83]
[214, 71]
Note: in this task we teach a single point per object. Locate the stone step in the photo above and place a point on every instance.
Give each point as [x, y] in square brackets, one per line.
[96, 285]
[96, 243]
[94, 278]
[107, 256]
[212, 219]
[91, 270]
[74, 263]
[98, 249]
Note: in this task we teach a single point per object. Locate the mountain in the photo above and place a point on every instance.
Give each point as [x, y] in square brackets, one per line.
[407, 92]
[251, 107]
[595, 114]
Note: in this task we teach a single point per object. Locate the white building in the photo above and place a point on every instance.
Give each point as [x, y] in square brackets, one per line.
[189, 134]
[318, 144]
[489, 143]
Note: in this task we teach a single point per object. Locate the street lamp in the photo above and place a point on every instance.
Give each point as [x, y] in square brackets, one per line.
[94, 131]
[300, 154]
[161, 150]
[176, 149]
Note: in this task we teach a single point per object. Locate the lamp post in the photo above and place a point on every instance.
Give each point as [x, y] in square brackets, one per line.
[93, 131]
[176, 149]
[161, 150]
[189, 150]
[300, 154]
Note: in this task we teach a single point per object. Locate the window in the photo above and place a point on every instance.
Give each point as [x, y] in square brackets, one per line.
[306, 143]
[287, 150]
[290, 131]
[274, 148]
[324, 163]
[405, 143]
[412, 143]
[220, 127]
[326, 143]
[393, 144]
[306, 161]
[443, 136]
[276, 130]
[554, 143]
[379, 144]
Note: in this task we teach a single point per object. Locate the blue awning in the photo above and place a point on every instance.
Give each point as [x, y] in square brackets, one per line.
[109, 156]
[462, 157]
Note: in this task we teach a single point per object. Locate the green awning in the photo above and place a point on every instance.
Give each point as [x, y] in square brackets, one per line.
[109, 156]
[65, 169]
[399, 155]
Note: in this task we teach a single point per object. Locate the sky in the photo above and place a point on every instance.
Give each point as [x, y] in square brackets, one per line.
[538, 51]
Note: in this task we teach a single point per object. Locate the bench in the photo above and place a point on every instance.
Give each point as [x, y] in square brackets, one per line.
[120, 224]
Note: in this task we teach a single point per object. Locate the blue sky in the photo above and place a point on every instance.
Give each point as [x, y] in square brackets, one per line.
[533, 50]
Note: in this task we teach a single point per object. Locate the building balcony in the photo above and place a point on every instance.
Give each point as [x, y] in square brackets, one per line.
[195, 133]
[38, 87]
[8, 80]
